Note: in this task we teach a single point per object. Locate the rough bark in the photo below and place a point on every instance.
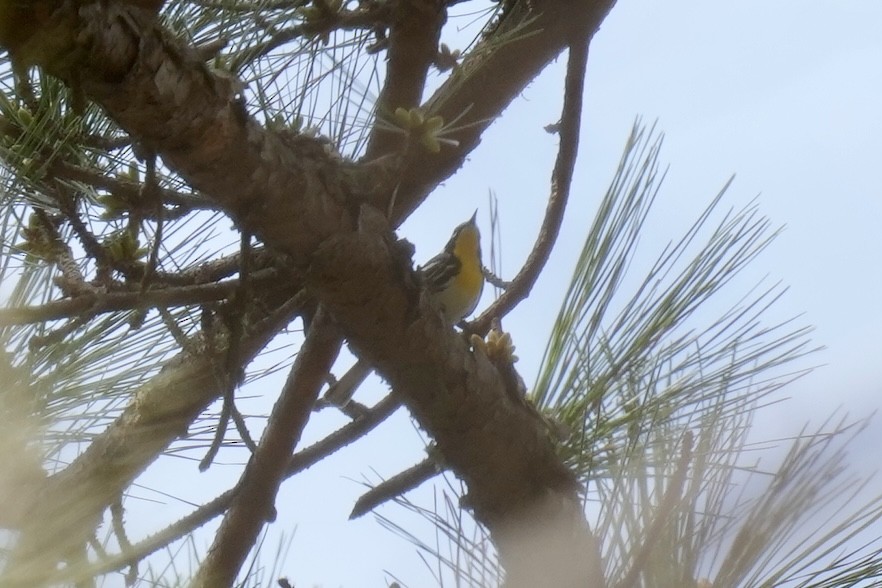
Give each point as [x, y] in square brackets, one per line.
[299, 199]
[517, 485]
[256, 493]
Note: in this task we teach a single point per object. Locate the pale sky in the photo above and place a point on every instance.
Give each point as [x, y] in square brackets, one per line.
[786, 95]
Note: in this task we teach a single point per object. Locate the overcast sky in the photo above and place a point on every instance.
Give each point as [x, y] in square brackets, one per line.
[786, 95]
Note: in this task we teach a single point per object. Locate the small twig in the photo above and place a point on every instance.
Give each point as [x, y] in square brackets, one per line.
[346, 20]
[180, 337]
[343, 436]
[96, 545]
[561, 182]
[340, 393]
[665, 508]
[150, 193]
[495, 280]
[354, 410]
[211, 48]
[137, 552]
[242, 427]
[56, 336]
[72, 280]
[268, 326]
[89, 242]
[220, 268]
[116, 517]
[220, 431]
[234, 371]
[395, 486]
[228, 411]
[129, 190]
[105, 143]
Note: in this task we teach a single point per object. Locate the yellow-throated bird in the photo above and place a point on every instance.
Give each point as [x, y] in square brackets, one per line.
[454, 280]
[455, 277]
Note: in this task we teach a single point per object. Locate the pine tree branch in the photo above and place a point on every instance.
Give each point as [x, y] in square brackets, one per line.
[275, 182]
[529, 36]
[290, 193]
[561, 181]
[94, 303]
[414, 35]
[394, 487]
[518, 487]
[366, 16]
[265, 471]
[299, 462]
[163, 538]
[286, 185]
[345, 435]
[69, 505]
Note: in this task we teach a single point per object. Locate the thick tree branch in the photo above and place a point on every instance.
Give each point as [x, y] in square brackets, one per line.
[527, 39]
[520, 287]
[68, 507]
[285, 186]
[260, 482]
[518, 487]
[413, 44]
[297, 199]
[300, 461]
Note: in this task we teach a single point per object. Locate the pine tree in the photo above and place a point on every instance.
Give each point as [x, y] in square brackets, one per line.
[132, 133]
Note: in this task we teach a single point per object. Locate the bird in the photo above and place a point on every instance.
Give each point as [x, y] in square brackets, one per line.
[453, 280]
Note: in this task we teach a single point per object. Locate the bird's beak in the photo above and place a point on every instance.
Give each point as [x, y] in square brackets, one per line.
[474, 218]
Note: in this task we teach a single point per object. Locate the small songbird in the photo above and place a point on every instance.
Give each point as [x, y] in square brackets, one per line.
[455, 277]
[454, 280]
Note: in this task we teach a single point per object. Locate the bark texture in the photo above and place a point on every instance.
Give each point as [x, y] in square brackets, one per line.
[301, 200]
